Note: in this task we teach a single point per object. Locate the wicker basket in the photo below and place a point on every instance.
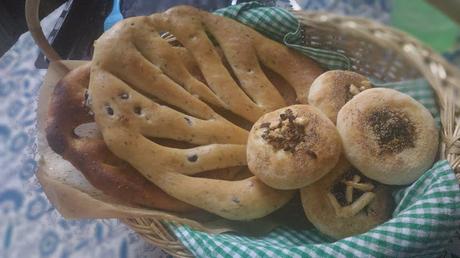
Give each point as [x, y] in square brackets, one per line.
[375, 50]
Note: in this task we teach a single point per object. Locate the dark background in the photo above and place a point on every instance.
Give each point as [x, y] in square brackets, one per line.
[13, 22]
[81, 22]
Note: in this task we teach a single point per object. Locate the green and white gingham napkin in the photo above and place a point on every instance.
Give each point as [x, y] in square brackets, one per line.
[425, 219]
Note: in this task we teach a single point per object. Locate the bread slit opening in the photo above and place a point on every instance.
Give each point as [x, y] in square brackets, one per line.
[170, 38]
[87, 130]
[171, 143]
[233, 118]
[156, 99]
[229, 68]
[284, 88]
[176, 65]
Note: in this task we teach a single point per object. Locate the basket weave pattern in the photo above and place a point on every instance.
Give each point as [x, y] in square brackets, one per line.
[375, 50]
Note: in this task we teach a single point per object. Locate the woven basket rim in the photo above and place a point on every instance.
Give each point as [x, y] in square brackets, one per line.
[444, 79]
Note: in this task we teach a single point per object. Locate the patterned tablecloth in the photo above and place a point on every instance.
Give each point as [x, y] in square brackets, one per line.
[30, 226]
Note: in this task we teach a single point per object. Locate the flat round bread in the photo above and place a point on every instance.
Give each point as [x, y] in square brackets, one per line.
[293, 147]
[332, 89]
[345, 203]
[388, 136]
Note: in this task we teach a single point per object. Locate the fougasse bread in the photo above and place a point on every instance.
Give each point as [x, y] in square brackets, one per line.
[71, 132]
[90, 155]
[142, 91]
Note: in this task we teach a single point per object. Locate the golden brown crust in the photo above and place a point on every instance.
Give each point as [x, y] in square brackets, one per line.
[103, 170]
[292, 147]
[91, 156]
[388, 135]
[332, 89]
[165, 100]
[344, 220]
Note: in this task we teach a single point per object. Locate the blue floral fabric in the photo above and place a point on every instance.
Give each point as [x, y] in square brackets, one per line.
[29, 225]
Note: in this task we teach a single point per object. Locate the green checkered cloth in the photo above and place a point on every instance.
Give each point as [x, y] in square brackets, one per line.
[279, 24]
[425, 219]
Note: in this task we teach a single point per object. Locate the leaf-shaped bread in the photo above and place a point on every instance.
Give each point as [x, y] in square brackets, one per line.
[143, 90]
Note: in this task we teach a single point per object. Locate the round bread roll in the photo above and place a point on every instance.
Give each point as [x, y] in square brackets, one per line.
[332, 89]
[292, 147]
[345, 203]
[388, 136]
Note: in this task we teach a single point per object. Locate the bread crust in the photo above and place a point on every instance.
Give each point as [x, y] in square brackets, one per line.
[166, 101]
[321, 212]
[287, 154]
[91, 156]
[388, 136]
[332, 89]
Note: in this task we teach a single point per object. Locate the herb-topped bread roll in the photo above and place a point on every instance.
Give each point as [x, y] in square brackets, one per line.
[388, 136]
[332, 89]
[345, 203]
[292, 147]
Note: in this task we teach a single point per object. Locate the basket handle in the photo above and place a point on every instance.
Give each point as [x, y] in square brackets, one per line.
[33, 23]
